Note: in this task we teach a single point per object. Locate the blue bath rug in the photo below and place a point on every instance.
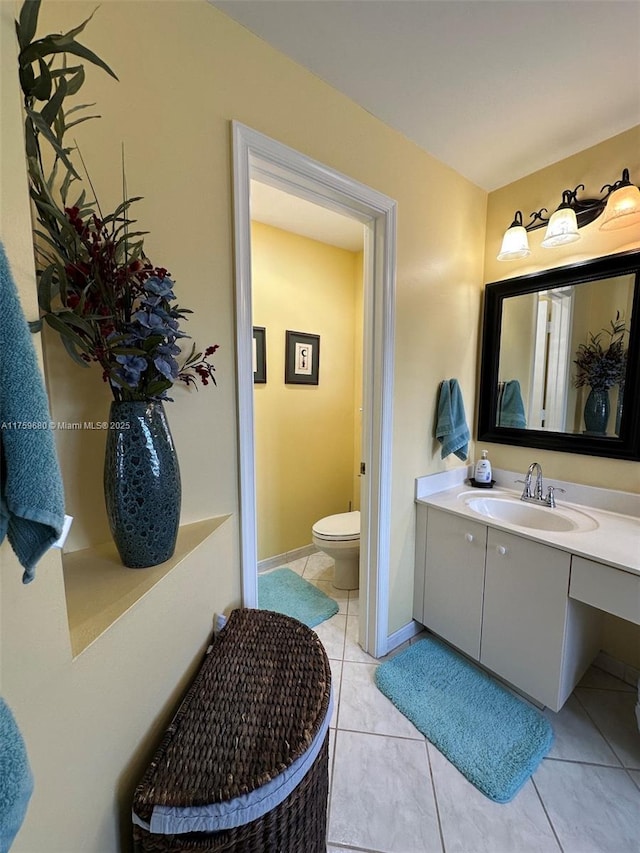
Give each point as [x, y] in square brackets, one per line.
[286, 592]
[494, 739]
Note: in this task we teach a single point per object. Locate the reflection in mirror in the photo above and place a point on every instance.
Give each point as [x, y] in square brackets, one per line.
[561, 359]
[542, 335]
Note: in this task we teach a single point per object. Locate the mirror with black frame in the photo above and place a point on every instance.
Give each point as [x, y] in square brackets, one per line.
[561, 359]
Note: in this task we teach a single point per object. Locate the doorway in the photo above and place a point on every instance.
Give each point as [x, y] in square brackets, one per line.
[257, 157]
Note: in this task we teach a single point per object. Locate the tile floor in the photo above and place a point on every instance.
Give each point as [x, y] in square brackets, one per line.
[391, 791]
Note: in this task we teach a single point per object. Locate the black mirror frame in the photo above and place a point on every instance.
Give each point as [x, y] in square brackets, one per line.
[627, 444]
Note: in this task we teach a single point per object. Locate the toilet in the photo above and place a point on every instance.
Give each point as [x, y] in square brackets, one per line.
[338, 536]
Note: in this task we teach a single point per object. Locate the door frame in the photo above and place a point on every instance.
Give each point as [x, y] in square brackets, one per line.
[256, 156]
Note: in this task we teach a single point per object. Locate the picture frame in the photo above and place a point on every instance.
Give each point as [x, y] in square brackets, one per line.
[302, 358]
[259, 355]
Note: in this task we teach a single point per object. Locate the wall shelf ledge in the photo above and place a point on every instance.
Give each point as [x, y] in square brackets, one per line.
[99, 589]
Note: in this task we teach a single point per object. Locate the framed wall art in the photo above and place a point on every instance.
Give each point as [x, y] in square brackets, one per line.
[302, 358]
[259, 355]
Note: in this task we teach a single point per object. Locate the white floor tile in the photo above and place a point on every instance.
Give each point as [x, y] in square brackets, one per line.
[319, 567]
[472, 823]
[331, 634]
[614, 714]
[635, 775]
[352, 650]
[598, 678]
[350, 849]
[338, 595]
[354, 602]
[592, 809]
[332, 743]
[336, 678]
[298, 566]
[577, 738]
[364, 708]
[375, 801]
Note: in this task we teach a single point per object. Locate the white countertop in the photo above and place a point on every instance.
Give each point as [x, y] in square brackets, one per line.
[615, 540]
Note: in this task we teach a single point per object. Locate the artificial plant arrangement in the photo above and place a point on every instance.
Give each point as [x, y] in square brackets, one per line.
[96, 287]
[602, 361]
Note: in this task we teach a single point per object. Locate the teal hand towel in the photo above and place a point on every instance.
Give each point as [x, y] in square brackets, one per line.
[511, 406]
[31, 493]
[451, 428]
[16, 781]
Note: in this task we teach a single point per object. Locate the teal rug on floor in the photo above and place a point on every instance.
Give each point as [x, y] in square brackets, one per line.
[494, 738]
[286, 592]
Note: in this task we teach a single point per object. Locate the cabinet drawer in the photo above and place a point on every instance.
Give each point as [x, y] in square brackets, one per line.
[606, 588]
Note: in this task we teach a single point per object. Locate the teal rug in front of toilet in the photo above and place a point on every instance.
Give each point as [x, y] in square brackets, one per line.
[494, 738]
[286, 592]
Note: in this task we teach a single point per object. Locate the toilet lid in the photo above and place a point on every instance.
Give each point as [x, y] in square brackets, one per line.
[344, 526]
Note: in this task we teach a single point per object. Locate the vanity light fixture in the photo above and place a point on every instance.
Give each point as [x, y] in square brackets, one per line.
[515, 243]
[563, 224]
[623, 204]
[620, 205]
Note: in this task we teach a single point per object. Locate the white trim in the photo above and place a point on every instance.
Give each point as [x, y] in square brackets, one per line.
[411, 629]
[259, 157]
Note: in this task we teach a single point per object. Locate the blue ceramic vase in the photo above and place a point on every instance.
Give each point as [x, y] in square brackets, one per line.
[596, 411]
[142, 483]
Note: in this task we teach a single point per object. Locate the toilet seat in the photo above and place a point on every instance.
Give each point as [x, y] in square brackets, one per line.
[343, 527]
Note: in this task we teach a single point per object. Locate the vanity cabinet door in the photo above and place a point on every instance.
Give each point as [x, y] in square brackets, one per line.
[525, 614]
[454, 579]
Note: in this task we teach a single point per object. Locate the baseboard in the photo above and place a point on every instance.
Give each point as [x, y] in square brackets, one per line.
[403, 634]
[271, 563]
[287, 557]
[624, 671]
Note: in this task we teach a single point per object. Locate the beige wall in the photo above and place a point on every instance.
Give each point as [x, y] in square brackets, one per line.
[304, 433]
[593, 167]
[186, 71]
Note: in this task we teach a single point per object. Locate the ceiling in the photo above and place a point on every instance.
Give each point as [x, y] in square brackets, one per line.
[496, 89]
[290, 213]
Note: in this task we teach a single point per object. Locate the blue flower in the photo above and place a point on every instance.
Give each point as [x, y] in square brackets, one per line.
[131, 369]
[167, 366]
[168, 349]
[149, 320]
[160, 287]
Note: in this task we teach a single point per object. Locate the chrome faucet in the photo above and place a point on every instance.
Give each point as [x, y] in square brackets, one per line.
[527, 494]
[536, 496]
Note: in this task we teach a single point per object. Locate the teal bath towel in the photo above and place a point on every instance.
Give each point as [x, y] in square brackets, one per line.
[16, 781]
[451, 429]
[31, 493]
[511, 408]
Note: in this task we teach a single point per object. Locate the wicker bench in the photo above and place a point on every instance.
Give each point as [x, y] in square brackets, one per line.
[243, 766]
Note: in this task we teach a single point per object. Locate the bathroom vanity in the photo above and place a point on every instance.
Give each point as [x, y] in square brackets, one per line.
[521, 588]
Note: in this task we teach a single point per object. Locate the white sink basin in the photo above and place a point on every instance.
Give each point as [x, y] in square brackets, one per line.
[521, 514]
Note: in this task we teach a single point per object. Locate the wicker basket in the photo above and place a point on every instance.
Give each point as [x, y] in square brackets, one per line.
[259, 702]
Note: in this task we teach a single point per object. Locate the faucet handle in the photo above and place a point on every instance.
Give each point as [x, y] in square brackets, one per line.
[551, 498]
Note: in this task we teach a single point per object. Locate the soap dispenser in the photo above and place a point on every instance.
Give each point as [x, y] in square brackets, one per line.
[483, 469]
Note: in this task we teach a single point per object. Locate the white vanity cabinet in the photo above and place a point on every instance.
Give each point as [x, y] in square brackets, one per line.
[525, 614]
[454, 557]
[503, 599]
[612, 590]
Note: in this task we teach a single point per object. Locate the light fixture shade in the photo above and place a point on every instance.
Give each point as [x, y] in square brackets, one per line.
[515, 243]
[623, 208]
[562, 228]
